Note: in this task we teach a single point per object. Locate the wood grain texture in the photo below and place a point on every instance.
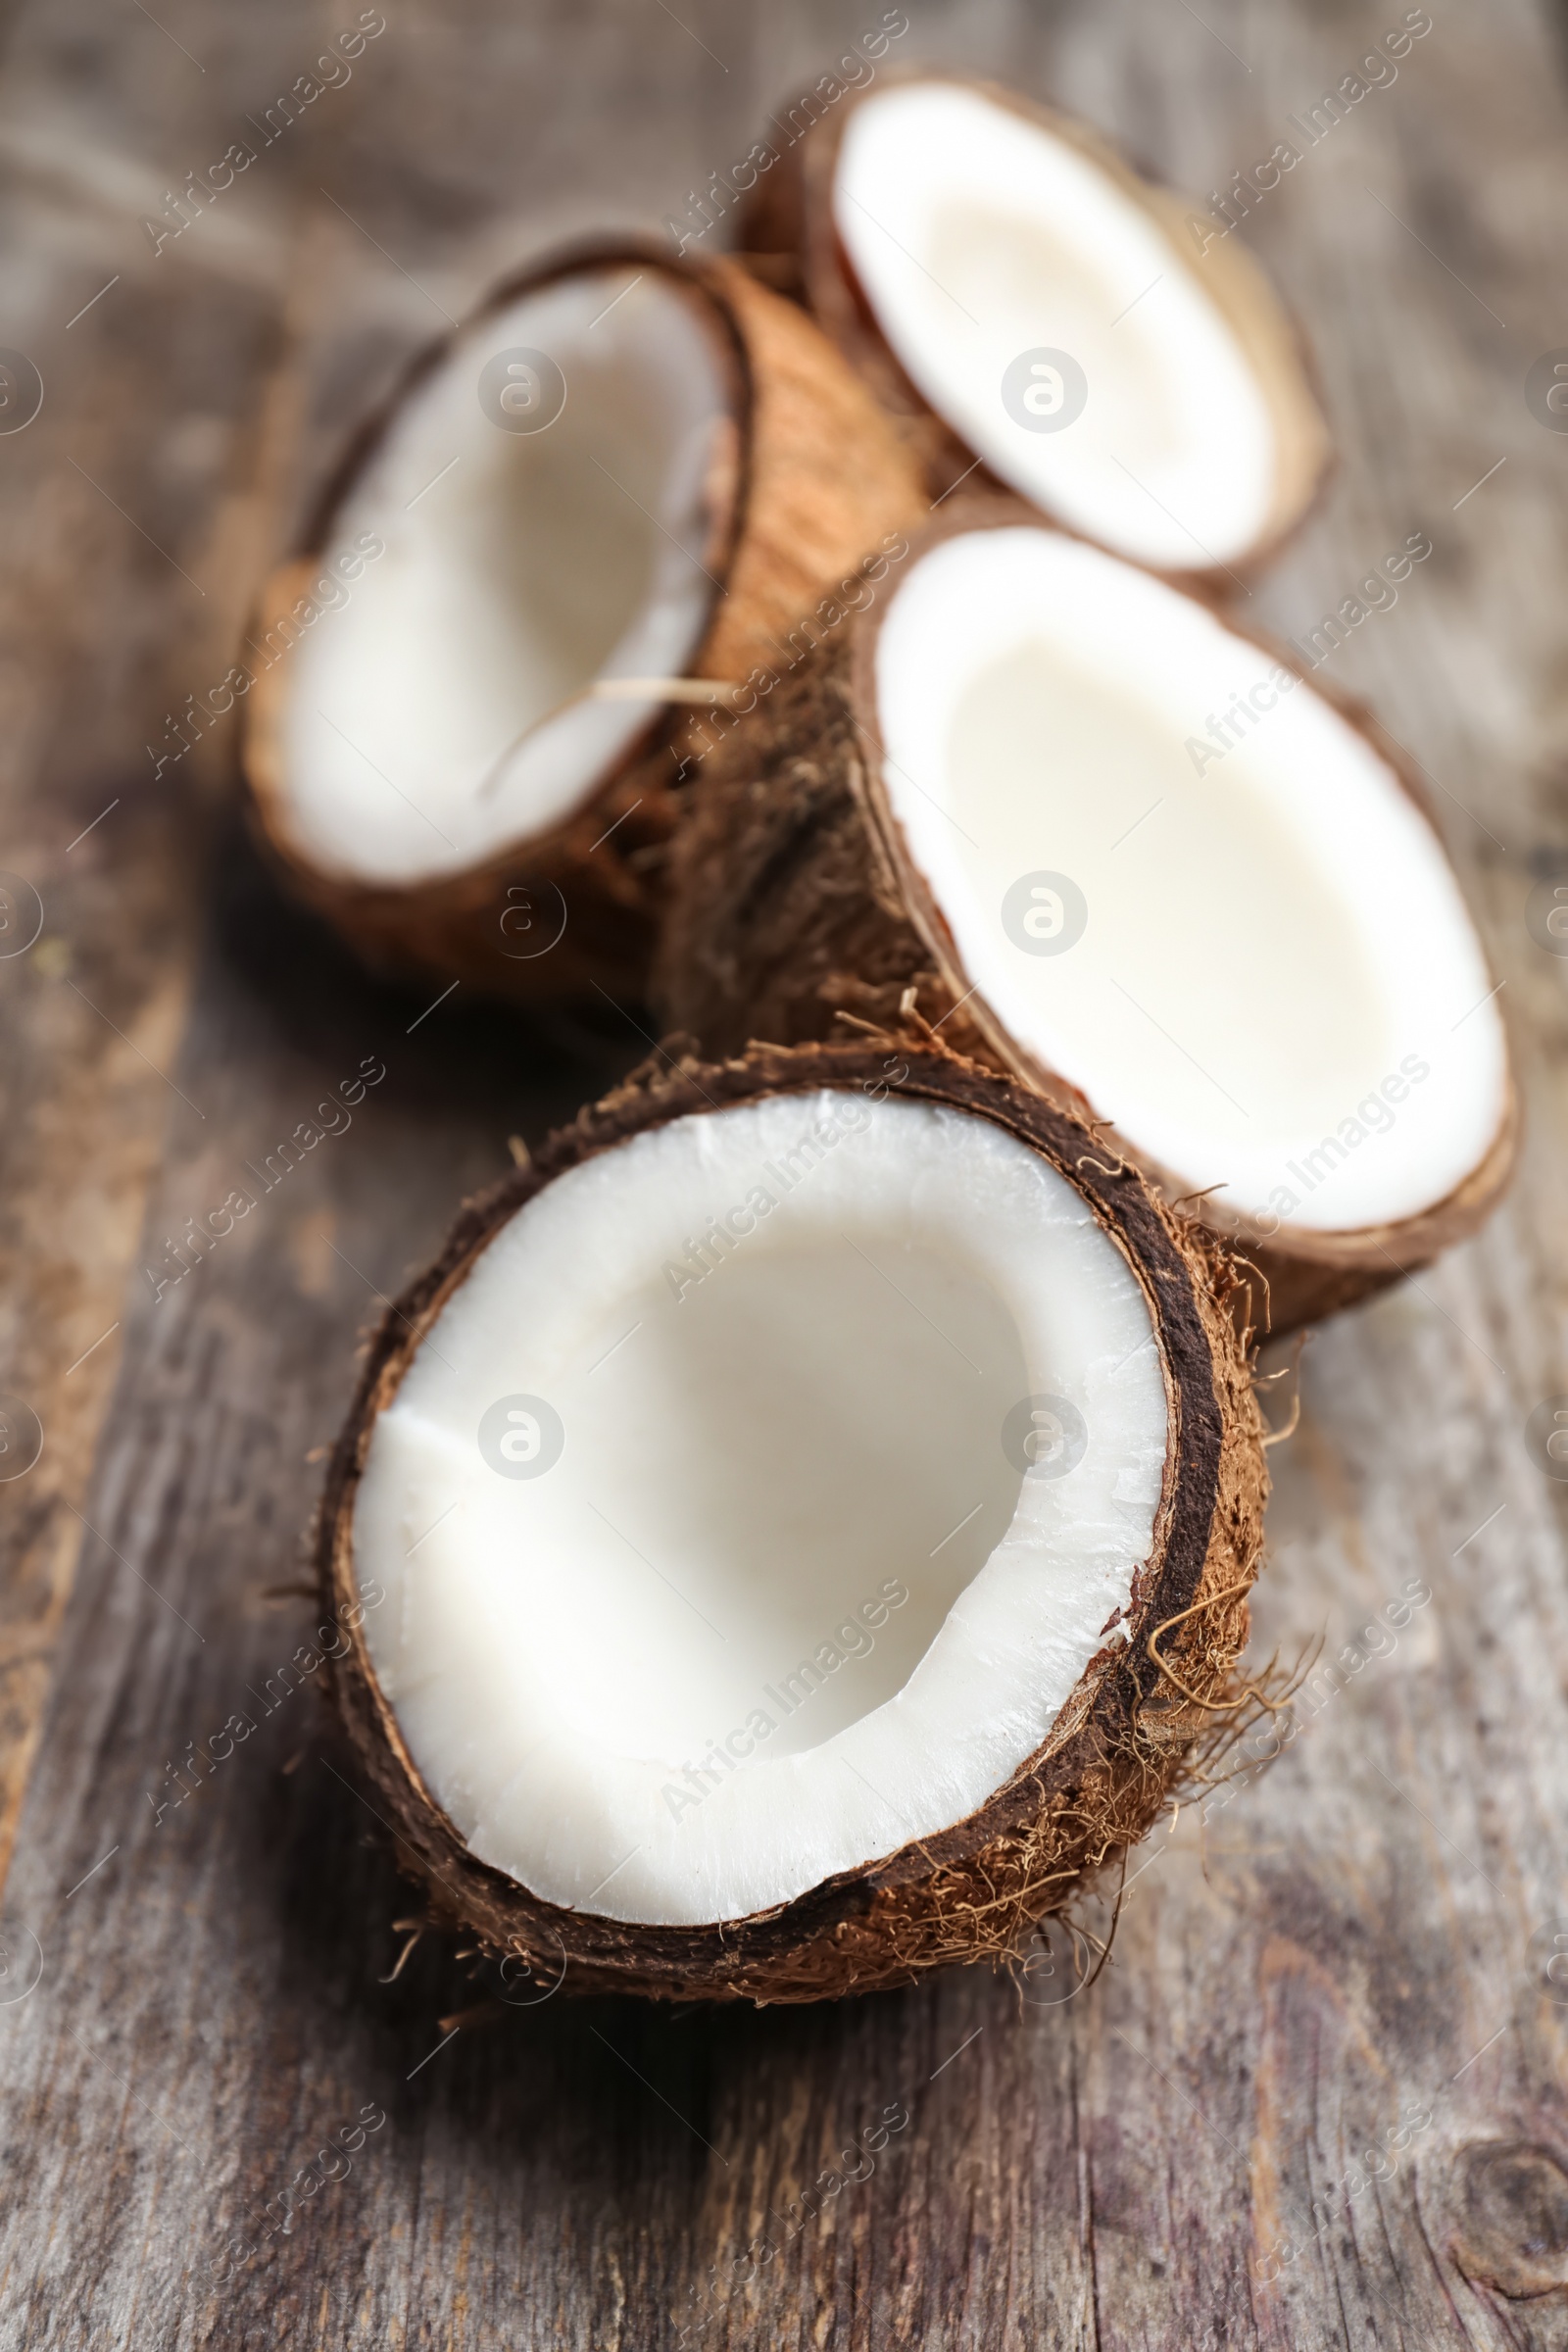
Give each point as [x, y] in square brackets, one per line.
[1161, 2161]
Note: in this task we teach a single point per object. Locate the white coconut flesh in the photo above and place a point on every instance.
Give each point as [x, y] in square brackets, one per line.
[520, 568]
[785, 1596]
[1268, 979]
[979, 237]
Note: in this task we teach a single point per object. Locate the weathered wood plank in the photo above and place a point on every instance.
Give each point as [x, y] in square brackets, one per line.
[1343, 1943]
[104, 867]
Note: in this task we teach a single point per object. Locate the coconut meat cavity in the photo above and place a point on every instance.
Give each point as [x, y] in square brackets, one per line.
[757, 1499]
[979, 239]
[544, 526]
[1229, 926]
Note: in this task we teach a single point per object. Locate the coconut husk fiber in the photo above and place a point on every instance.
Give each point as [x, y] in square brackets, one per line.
[812, 479]
[1161, 1694]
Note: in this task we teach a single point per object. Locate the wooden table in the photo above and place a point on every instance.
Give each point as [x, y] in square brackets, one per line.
[1168, 2159]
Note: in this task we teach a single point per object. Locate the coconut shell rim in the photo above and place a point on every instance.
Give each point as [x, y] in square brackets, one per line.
[334, 888]
[1272, 337]
[1460, 1211]
[734, 1958]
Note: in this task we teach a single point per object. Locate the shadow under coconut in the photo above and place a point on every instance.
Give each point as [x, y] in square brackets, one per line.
[455, 1057]
[659, 2110]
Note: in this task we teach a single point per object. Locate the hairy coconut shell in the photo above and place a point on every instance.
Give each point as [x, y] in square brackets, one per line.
[814, 480]
[1121, 1743]
[787, 228]
[794, 897]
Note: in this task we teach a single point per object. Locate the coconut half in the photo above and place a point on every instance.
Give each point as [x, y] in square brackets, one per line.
[1016, 295]
[754, 1524]
[1137, 858]
[602, 499]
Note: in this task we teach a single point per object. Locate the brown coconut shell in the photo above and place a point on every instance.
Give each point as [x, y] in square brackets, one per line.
[812, 480]
[794, 897]
[787, 230]
[1161, 1688]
